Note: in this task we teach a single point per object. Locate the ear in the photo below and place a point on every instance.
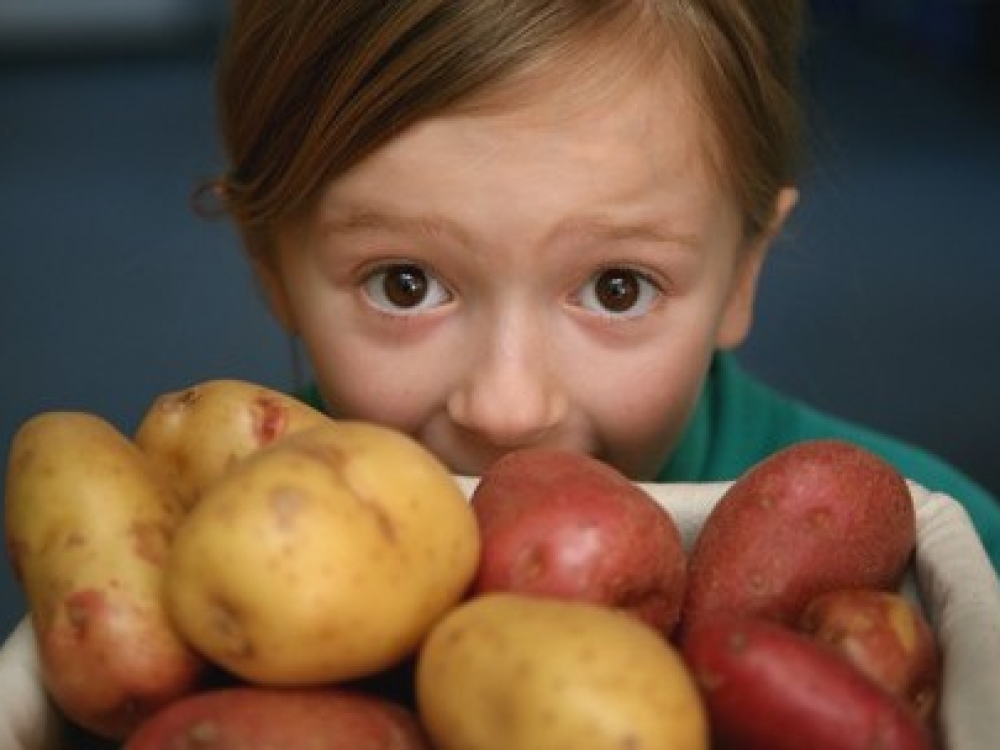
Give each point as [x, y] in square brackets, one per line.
[267, 269]
[738, 313]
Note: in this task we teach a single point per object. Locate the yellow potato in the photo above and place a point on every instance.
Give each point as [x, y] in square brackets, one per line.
[197, 434]
[512, 672]
[323, 557]
[88, 526]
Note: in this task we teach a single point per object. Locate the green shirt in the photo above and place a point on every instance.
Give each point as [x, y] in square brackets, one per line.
[740, 421]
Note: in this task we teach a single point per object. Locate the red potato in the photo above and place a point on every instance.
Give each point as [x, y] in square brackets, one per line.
[254, 718]
[767, 687]
[568, 526]
[885, 636]
[815, 517]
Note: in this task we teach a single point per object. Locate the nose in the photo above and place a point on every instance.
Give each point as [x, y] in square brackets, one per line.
[509, 396]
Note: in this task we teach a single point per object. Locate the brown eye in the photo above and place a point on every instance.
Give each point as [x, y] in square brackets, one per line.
[617, 290]
[404, 288]
[619, 293]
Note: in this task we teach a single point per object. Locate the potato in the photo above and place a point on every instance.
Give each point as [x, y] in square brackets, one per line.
[197, 434]
[768, 687]
[324, 557]
[566, 525]
[516, 672]
[817, 516]
[88, 526]
[884, 635]
[255, 718]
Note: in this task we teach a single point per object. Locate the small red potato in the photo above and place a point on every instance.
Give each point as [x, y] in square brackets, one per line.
[815, 517]
[253, 718]
[767, 687]
[884, 635]
[568, 526]
[196, 434]
[88, 528]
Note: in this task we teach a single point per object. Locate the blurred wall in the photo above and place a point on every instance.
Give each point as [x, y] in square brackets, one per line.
[958, 34]
[56, 27]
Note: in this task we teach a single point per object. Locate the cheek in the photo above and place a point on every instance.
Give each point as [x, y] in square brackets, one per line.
[359, 382]
[642, 411]
[647, 411]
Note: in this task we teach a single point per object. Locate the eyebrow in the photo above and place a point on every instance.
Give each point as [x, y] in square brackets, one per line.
[590, 228]
[604, 228]
[365, 218]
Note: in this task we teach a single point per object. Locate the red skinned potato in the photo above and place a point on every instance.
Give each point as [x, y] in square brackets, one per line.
[254, 718]
[568, 526]
[815, 517]
[885, 636]
[767, 687]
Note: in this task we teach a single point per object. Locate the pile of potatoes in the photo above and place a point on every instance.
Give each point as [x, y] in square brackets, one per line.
[244, 571]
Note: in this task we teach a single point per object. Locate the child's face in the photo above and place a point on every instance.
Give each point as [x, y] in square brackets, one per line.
[559, 274]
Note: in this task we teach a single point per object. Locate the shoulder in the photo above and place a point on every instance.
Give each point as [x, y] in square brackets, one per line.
[752, 420]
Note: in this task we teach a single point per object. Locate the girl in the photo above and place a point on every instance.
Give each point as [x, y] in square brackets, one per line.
[504, 223]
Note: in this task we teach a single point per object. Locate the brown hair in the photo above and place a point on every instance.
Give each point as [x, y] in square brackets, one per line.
[308, 88]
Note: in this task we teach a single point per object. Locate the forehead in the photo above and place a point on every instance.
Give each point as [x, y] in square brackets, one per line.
[602, 82]
[608, 111]
[590, 61]
[556, 148]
